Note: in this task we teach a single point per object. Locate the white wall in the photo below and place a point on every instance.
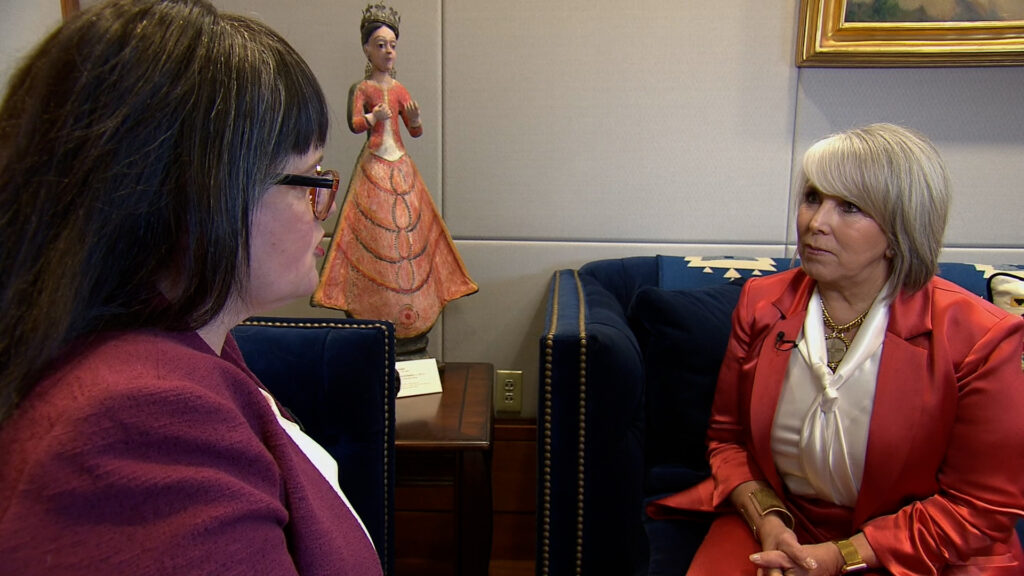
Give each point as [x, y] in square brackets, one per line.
[558, 133]
[22, 24]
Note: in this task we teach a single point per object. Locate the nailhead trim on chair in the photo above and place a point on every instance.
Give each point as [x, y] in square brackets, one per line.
[387, 415]
[546, 504]
[581, 460]
[545, 558]
[545, 552]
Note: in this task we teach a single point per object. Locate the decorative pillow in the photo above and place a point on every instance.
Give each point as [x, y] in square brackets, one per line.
[693, 272]
[683, 336]
[1007, 291]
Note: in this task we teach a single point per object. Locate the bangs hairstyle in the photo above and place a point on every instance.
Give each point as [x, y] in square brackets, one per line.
[897, 177]
[278, 110]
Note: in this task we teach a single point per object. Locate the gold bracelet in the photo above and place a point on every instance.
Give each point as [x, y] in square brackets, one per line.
[852, 561]
[764, 500]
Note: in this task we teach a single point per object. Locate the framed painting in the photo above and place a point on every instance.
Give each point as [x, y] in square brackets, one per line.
[893, 33]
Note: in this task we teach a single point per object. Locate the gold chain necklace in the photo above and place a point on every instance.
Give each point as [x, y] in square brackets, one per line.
[836, 343]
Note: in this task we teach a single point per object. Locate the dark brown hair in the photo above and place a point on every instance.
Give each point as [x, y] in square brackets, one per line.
[372, 27]
[135, 143]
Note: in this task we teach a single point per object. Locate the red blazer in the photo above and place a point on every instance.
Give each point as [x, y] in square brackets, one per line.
[944, 469]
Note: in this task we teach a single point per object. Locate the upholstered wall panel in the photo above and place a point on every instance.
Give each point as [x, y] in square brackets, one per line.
[641, 121]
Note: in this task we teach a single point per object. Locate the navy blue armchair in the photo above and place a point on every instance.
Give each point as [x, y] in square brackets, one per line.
[338, 378]
[628, 362]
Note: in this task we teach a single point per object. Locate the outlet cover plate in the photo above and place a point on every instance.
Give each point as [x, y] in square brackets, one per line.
[508, 391]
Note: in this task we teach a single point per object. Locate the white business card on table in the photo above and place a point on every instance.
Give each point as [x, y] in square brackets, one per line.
[418, 377]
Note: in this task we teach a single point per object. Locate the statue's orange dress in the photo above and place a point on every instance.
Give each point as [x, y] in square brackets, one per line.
[391, 257]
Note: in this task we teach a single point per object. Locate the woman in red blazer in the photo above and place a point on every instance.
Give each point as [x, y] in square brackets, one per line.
[868, 414]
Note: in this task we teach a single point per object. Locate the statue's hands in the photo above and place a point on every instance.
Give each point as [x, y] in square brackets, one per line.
[380, 112]
[412, 113]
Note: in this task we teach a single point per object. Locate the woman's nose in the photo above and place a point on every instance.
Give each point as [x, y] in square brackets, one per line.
[820, 218]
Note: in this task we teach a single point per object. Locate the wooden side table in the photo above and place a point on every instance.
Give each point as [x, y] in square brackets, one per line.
[443, 484]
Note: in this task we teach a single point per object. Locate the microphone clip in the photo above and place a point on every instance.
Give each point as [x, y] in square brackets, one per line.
[783, 345]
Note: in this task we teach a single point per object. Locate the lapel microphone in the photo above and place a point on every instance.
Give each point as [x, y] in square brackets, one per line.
[782, 344]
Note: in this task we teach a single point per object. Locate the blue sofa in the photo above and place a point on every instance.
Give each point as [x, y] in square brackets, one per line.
[628, 364]
[338, 378]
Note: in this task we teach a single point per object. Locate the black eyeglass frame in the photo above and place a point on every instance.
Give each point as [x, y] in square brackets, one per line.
[330, 181]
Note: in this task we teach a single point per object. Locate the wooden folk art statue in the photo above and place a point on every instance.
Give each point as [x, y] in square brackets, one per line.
[391, 256]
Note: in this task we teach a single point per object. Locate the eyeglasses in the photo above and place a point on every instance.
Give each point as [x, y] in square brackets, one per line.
[322, 189]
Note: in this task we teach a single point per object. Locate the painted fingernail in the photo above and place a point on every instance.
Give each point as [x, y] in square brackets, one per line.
[810, 564]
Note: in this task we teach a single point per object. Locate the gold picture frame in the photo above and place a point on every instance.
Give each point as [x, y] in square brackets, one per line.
[827, 39]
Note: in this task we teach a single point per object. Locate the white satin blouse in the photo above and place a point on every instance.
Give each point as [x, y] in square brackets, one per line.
[820, 432]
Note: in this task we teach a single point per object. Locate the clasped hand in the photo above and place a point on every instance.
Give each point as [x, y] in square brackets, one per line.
[380, 112]
[412, 112]
[783, 555]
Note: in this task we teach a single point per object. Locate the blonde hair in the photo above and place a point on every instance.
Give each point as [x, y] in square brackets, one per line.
[897, 177]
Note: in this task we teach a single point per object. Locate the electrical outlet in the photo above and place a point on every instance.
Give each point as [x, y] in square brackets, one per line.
[508, 391]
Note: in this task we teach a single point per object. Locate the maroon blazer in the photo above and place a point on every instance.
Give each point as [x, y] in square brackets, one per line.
[944, 469]
[146, 453]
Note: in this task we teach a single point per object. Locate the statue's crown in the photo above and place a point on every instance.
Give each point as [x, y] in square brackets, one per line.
[380, 13]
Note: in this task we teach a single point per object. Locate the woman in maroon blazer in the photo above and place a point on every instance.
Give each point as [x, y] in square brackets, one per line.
[159, 183]
[868, 414]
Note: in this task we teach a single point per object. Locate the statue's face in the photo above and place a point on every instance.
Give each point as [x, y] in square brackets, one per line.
[382, 49]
